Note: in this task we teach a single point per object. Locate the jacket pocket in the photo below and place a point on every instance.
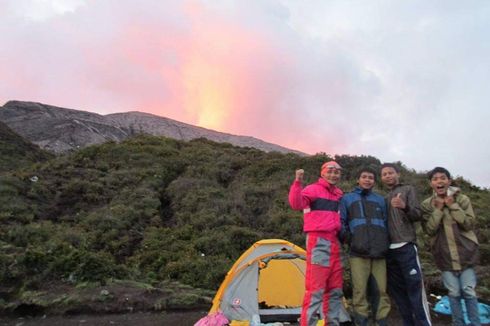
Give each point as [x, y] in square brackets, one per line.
[380, 243]
[359, 244]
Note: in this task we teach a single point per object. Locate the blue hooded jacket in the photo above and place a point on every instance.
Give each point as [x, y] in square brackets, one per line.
[364, 223]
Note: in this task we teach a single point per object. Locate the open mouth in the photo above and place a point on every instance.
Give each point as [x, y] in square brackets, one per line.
[440, 188]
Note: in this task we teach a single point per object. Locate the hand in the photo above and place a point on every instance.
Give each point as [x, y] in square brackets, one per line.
[449, 200]
[299, 175]
[397, 202]
[438, 202]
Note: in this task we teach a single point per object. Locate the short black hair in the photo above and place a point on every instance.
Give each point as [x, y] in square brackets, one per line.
[438, 169]
[390, 165]
[368, 170]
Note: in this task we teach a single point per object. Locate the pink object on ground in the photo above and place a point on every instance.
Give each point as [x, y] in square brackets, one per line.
[214, 319]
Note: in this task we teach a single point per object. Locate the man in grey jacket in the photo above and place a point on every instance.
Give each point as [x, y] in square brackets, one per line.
[405, 281]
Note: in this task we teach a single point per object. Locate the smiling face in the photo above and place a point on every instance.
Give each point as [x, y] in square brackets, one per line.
[439, 183]
[366, 180]
[332, 175]
[389, 177]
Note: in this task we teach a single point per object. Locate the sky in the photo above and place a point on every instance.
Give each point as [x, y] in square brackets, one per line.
[400, 80]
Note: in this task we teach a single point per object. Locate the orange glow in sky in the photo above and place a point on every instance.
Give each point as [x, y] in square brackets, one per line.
[314, 76]
[211, 73]
[209, 95]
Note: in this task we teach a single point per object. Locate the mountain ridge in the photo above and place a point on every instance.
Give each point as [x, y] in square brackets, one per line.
[17, 152]
[60, 130]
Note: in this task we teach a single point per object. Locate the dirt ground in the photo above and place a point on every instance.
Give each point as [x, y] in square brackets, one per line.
[138, 319]
[147, 319]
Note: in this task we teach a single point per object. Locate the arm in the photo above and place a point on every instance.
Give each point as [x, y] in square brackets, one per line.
[406, 201]
[344, 234]
[299, 199]
[412, 208]
[384, 212]
[462, 212]
[432, 217]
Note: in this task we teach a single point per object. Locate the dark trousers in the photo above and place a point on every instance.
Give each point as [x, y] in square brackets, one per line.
[406, 286]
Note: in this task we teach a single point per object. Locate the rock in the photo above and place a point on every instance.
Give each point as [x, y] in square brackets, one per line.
[61, 130]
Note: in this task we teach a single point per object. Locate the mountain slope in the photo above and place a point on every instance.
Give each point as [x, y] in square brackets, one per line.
[154, 209]
[139, 122]
[16, 152]
[58, 129]
[61, 130]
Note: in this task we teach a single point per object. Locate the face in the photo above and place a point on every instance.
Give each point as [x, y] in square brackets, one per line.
[439, 183]
[366, 180]
[332, 175]
[389, 176]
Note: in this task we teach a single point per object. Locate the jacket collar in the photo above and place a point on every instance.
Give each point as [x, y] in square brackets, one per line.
[398, 185]
[361, 191]
[330, 187]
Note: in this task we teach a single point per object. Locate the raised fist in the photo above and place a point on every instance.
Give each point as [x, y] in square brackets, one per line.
[299, 174]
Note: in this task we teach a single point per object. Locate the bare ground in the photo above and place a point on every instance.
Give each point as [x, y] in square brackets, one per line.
[129, 319]
[126, 305]
[148, 319]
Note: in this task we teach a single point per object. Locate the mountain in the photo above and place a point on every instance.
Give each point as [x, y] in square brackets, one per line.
[60, 130]
[16, 152]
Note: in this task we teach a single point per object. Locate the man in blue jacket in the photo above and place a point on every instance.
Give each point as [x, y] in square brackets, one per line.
[364, 228]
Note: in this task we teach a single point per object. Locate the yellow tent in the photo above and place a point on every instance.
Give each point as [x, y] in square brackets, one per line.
[267, 281]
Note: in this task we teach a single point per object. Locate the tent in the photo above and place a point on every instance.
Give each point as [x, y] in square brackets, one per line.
[266, 282]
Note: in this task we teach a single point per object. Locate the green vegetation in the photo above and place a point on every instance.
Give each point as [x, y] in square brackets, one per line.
[16, 152]
[153, 210]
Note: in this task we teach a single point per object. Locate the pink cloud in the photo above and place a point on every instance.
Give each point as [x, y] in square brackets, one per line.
[191, 62]
[312, 75]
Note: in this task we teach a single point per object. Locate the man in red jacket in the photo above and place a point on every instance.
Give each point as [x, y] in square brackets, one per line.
[320, 204]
